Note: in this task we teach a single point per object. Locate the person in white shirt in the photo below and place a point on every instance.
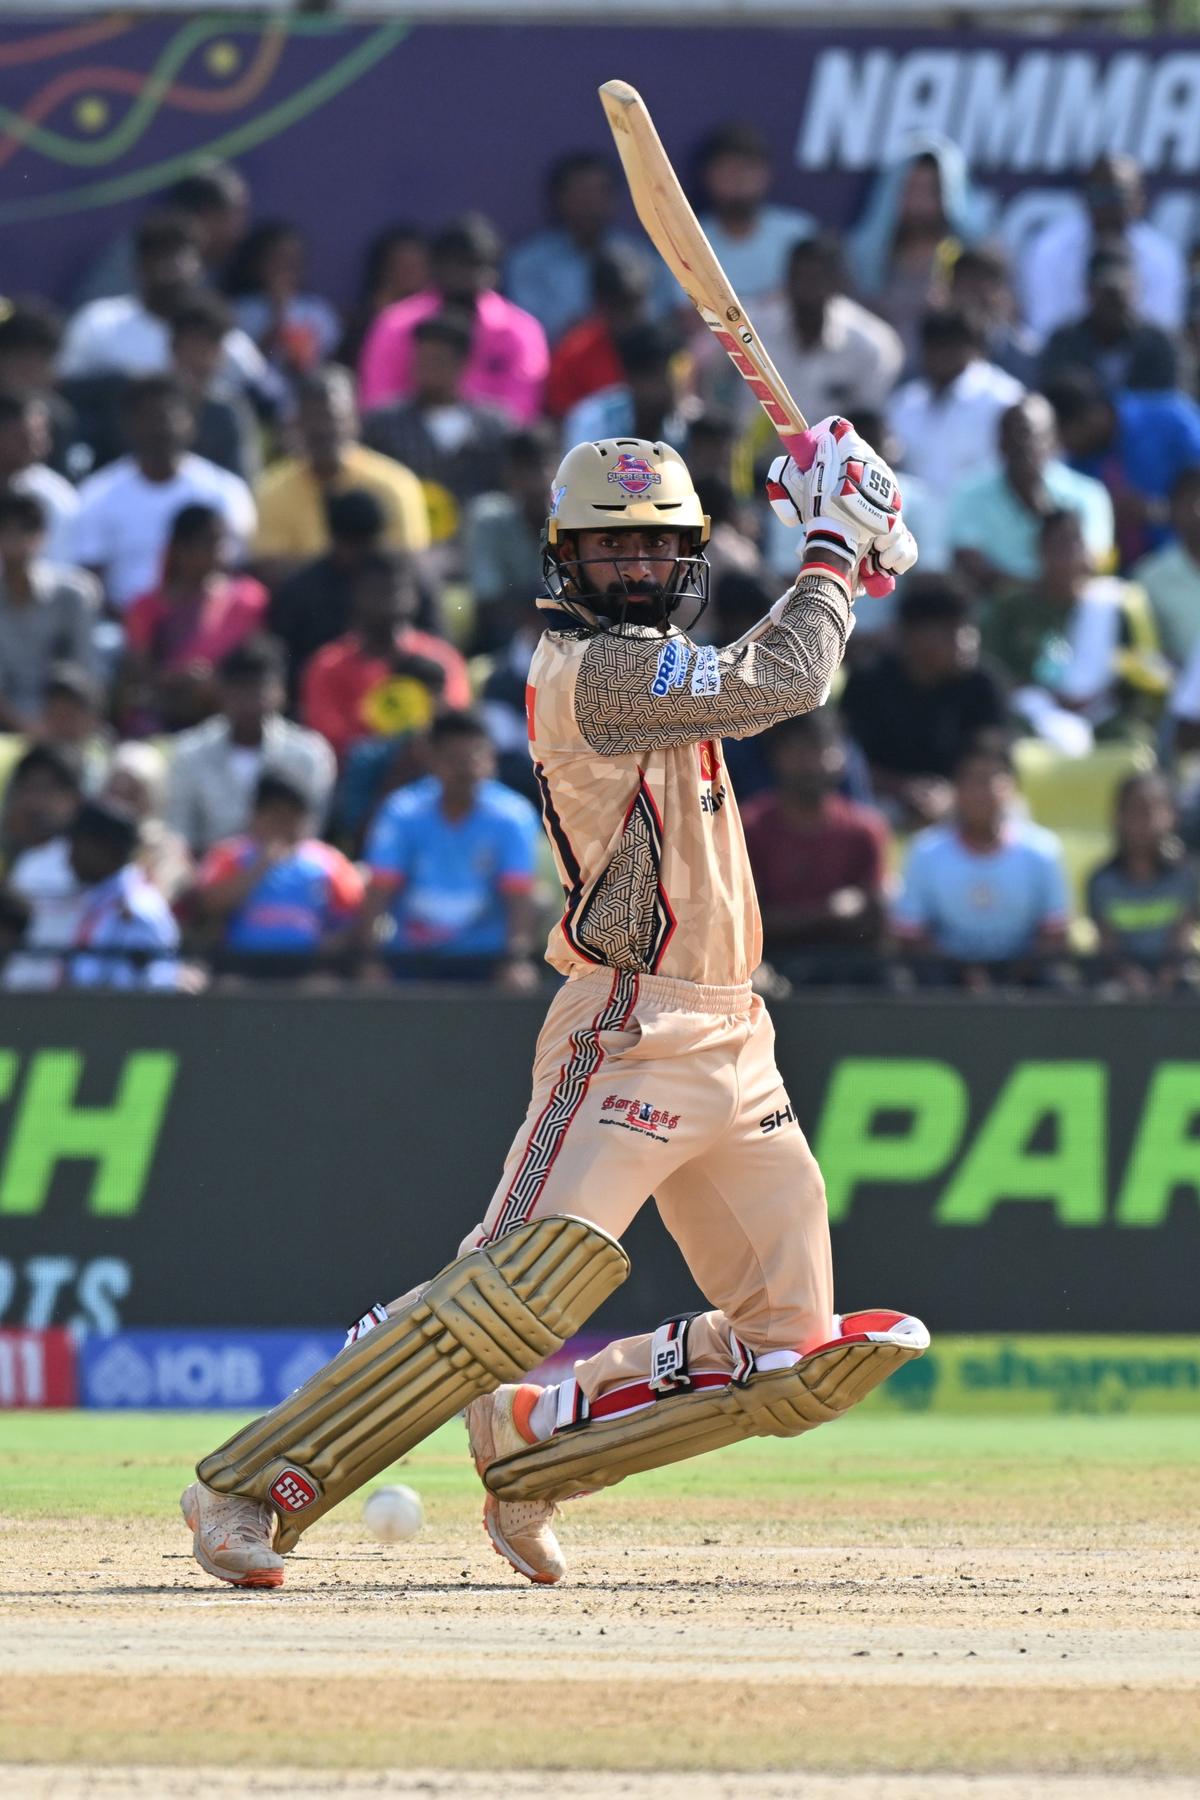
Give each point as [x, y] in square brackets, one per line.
[130, 334]
[118, 910]
[947, 418]
[42, 798]
[126, 511]
[751, 238]
[216, 766]
[24, 447]
[1053, 270]
[834, 355]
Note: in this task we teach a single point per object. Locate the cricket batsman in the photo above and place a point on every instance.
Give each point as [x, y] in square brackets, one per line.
[655, 1070]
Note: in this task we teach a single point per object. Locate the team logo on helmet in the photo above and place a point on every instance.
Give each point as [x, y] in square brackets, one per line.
[633, 475]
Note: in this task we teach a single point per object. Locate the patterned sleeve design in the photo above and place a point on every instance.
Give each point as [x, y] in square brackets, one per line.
[646, 692]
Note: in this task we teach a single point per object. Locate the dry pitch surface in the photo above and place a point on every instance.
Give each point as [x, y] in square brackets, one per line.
[894, 1608]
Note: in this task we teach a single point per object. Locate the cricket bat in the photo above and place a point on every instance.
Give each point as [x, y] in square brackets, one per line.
[674, 230]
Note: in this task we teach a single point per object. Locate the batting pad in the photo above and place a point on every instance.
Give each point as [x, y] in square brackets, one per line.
[489, 1317]
[775, 1403]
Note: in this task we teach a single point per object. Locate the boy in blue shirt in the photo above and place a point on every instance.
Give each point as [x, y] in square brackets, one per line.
[452, 860]
[986, 891]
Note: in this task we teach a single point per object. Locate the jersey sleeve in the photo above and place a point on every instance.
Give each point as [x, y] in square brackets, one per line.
[517, 864]
[388, 848]
[223, 860]
[913, 911]
[1055, 899]
[345, 894]
[634, 694]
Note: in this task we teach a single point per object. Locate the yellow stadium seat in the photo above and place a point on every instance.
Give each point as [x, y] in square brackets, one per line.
[1075, 793]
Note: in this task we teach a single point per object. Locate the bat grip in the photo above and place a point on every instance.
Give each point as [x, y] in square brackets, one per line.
[802, 448]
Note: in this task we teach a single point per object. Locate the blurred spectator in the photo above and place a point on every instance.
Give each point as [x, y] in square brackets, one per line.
[125, 511]
[179, 632]
[438, 433]
[919, 215]
[730, 550]
[453, 860]
[648, 403]
[295, 331]
[1138, 445]
[551, 274]
[503, 533]
[1171, 575]
[1079, 648]
[1144, 902]
[819, 861]
[348, 690]
[586, 358]
[979, 282]
[216, 766]
[1110, 341]
[73, 719]
[43, 795]
[509, 355]
[994, 519]
[314, 606]
[914, 709]
[947, 419]
[136, 779]
[130, 334]
[751, 237]
[46, 613]
[987, 890]
[276, 889]
[1184, 711]
[117, 908]
[833, 354]
[293, 495]
[30, 339]
[226, 427]
[40, 799]
[24, 446]
[215, 200]
[395, 268]
[1051, 276]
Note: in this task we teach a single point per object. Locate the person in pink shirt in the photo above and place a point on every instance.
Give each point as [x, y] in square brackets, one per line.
[509, 355]
[176, 634]
[385, 677]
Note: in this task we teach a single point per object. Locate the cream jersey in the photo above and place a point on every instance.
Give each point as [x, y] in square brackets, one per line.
[625, 733]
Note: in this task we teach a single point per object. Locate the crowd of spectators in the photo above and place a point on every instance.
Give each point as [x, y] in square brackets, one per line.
[267, 569]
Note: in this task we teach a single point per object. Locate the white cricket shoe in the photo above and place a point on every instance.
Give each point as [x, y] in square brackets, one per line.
[232, 1537]
[520, 1530]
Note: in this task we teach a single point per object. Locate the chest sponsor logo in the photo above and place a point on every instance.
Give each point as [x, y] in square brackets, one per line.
[639, 1115]
[673, 660]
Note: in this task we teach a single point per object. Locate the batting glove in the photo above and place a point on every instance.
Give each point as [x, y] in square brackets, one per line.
[847, 499]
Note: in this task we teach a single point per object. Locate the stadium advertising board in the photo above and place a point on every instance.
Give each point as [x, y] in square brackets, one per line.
[97, 115]
[263, 1161]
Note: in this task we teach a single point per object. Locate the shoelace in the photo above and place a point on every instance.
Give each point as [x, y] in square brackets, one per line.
[244, 1523]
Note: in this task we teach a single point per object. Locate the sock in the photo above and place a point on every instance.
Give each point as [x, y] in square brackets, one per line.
[544, 1414]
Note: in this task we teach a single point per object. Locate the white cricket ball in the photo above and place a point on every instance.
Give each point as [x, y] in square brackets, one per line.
[393, 1515]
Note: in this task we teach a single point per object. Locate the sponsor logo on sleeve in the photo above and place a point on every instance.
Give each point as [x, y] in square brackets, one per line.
[706, 672]
[673, 660]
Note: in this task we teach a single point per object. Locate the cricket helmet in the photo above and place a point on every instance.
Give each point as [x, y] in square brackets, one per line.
[623, 484]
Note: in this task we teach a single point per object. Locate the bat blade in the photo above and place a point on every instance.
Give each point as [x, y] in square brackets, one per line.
[674, 230]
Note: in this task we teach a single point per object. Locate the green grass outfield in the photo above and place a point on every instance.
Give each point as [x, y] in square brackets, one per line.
[133, 1465]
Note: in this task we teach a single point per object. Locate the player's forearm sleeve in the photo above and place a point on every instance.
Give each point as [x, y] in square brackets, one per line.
[645, 693]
